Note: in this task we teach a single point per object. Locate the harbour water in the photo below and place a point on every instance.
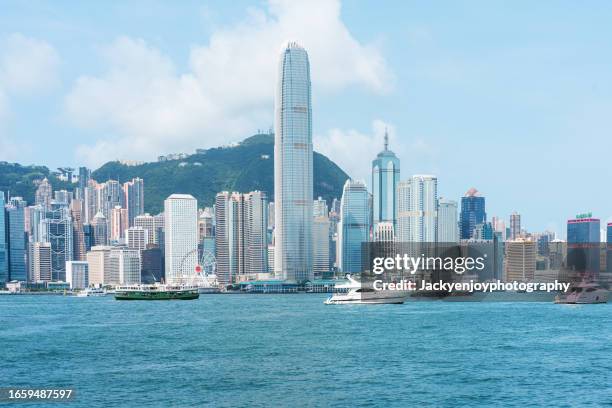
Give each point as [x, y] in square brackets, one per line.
[292, 350]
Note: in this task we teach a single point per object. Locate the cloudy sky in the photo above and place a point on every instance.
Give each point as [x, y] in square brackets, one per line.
[513, 98]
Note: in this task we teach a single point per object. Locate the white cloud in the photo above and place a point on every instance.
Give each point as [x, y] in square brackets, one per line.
[27, 65]
[228, 89]
[353, 150]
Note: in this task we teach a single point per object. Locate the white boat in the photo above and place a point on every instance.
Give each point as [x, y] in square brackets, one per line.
[584, 293]
[91, 292]
[353, 292]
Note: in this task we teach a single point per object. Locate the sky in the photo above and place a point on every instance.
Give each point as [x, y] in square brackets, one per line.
[512, 98]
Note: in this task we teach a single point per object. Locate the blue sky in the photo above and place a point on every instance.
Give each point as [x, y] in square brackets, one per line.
[513, 98]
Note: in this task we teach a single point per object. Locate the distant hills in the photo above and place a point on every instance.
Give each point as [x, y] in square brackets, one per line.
[245, 167]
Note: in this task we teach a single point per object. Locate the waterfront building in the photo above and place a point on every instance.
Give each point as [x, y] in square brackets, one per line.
[4, 275]
[99, 266]
[39, 260]
[293, 185]
[134, 199]
[418, 205]
[583, 245]
[255, 233]
[241, 239]
[385, 179]
[77, 274]
[320, 246]
[180, 237]
[57, 230]
[152, 265]
[123, 266]
[520, 260]
[17, 240]
[354, 228]
[472, 213]
[228, 211]
[448, 223]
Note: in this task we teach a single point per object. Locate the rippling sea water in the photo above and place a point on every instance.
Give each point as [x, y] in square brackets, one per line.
[292, 350]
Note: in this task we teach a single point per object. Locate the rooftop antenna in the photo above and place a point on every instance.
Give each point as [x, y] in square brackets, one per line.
[386, 139]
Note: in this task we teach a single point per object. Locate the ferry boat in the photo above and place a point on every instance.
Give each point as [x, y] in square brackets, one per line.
[583, 293]
[156, 291]
[91, 292]
[353, 292]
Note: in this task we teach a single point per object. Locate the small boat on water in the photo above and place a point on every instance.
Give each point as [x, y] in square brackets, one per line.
[156, 291]
[583, 293]
[353, 292]
[87, 292]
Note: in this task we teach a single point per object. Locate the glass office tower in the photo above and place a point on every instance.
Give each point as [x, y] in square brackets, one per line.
[385, 177]
[354, 228]
[293, 167]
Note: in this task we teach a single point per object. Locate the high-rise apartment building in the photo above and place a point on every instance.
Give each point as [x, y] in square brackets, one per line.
[4, 275]
[320, 246]
[418, 209]
[39, 261]
[293, 184]
[44, 194]
[134, 199]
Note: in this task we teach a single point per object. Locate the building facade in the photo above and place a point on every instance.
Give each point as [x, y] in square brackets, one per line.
[354, 228]
[385, 178]
[181, 237]
[293, 185]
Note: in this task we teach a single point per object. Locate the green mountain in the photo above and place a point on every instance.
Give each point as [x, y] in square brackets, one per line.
[20, 181]
[245, 167]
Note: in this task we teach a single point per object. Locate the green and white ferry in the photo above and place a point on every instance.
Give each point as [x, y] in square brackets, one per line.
[156, 291]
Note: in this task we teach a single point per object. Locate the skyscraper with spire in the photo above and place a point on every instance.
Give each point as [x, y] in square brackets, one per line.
[293, 167]
[385, 177]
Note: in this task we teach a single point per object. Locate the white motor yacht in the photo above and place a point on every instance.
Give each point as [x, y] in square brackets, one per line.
[91, 292]
[353, 292]
[584, 293]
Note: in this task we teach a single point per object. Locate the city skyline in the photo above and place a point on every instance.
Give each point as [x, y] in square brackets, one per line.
[463, 107]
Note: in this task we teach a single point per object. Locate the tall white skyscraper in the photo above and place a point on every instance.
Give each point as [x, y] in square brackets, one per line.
[448, 226]
[418, 205]
[293, 166]
[181, 236]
